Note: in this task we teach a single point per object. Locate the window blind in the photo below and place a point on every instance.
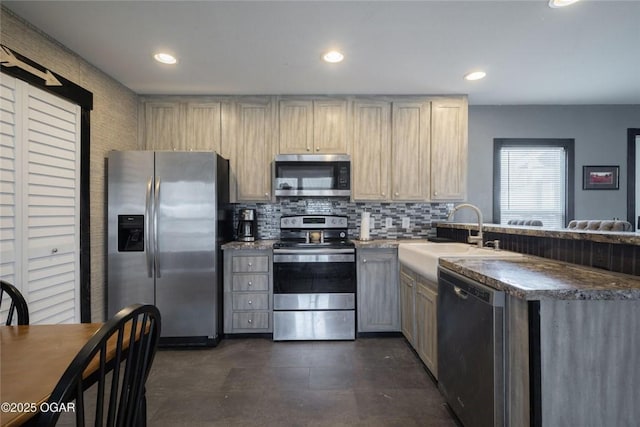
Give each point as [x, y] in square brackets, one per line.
[533, 184]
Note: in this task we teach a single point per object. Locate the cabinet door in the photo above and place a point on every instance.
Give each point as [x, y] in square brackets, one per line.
[426, 324]
[407, 306]
[410, 150]
[296, 126]
[254, 152]
[449, 149]
[330, 126]
[203, 126]
[378, 293]
[371, 150]
[163, 126]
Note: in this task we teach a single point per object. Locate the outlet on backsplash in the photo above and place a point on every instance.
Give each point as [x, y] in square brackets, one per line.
[406, 222]
[388, 223]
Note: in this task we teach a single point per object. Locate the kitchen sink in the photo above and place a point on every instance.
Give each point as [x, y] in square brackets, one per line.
[423, 257]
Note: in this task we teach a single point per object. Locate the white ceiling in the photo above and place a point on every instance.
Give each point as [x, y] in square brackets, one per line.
[587, 53]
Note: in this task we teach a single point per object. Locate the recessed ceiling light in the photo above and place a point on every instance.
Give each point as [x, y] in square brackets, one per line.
[475, 75]
[165, 58]
[333, 56]
[561, 3]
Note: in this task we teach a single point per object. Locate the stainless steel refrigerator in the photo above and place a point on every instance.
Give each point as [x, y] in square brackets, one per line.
[167, 217]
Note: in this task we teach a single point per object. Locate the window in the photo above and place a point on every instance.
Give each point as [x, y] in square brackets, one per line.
[533, 180]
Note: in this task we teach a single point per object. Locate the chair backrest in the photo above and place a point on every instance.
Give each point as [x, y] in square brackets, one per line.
[117, 360]
[18, 305]
[600, 225]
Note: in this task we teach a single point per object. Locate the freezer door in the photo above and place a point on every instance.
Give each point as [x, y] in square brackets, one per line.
[185, 244]
[129, 253]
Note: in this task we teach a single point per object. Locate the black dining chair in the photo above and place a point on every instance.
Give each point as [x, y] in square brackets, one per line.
[17, 306]
[115, 363]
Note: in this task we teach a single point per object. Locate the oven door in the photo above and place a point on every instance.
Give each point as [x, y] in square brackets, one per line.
[312, 271]
[314, 294]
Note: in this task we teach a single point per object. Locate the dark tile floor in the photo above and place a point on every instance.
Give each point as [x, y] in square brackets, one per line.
[258, 382]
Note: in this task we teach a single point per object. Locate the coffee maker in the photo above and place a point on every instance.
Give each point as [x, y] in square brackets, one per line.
[247, 225]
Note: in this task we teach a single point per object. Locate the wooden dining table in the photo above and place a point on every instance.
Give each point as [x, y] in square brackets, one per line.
[32, 360]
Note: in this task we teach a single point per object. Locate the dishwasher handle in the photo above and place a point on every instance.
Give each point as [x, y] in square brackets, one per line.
[460, 293]
[465, 287]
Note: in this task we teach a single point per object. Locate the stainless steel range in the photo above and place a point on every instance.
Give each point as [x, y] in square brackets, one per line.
[314, 275]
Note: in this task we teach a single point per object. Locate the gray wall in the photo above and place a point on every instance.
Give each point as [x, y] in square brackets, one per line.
[600, 134]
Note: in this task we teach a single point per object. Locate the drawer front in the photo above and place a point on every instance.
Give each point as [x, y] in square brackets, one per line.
[250, 264]
[250, 282]
[258, 320]
[251, 301]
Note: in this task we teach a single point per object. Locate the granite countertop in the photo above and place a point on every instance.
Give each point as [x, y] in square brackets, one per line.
[621, 237]
[534, 278]
[257, 245]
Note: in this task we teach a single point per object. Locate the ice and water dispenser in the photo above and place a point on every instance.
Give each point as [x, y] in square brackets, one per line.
[130, 233]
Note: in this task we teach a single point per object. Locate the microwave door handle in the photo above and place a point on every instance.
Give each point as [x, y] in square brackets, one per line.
[147, 228]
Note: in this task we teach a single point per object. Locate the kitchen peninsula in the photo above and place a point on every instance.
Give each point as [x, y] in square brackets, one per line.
[572, 331]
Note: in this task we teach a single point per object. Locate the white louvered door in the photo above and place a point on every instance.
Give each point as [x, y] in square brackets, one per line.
[47, 187]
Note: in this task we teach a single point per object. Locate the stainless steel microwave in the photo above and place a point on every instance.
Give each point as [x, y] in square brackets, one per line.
[312, 175]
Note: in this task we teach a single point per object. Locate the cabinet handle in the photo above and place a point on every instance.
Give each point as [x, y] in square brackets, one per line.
[250, 302]
[250, 264]
[435, 193]
[249, 321]
[249, 283]
[383, 194]
[308, 149]
[266, 194]
[54, 250]
[396, 193]
[364, 260]
[317, 148]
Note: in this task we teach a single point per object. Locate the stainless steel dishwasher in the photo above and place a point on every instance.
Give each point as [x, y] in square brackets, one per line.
[471, 349]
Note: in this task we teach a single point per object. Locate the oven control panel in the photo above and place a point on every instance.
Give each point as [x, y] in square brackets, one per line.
[313, 221]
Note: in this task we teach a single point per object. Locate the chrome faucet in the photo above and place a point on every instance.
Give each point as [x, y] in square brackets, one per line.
[472, 239]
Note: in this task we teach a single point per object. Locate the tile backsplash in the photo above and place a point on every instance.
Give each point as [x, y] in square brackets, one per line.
[421, 216]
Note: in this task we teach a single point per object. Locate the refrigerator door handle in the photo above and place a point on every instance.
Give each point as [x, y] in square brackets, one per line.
[156, 202]
[147, 216]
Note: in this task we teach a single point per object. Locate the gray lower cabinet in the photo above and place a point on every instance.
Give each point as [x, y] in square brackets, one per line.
[419, 297]
[248, 291]
[407, 303]
[378, 292]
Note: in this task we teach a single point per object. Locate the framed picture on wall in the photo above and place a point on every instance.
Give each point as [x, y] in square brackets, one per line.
[600, 177]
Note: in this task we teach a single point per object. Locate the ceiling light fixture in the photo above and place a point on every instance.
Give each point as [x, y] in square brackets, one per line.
[475, 75]
[333, 56]
[554, 4]
[165, 58]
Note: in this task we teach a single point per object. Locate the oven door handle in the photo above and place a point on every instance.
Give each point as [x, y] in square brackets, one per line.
[313, 257]
[324, 251]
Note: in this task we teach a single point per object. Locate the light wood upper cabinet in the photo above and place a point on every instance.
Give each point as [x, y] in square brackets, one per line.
[182, 126]
[330, 126]
[204, 126]
[449, 149]
[296, 126]
[371, 150]
[163, 126]
[313, 126]
[410, 155]
[253, 149]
